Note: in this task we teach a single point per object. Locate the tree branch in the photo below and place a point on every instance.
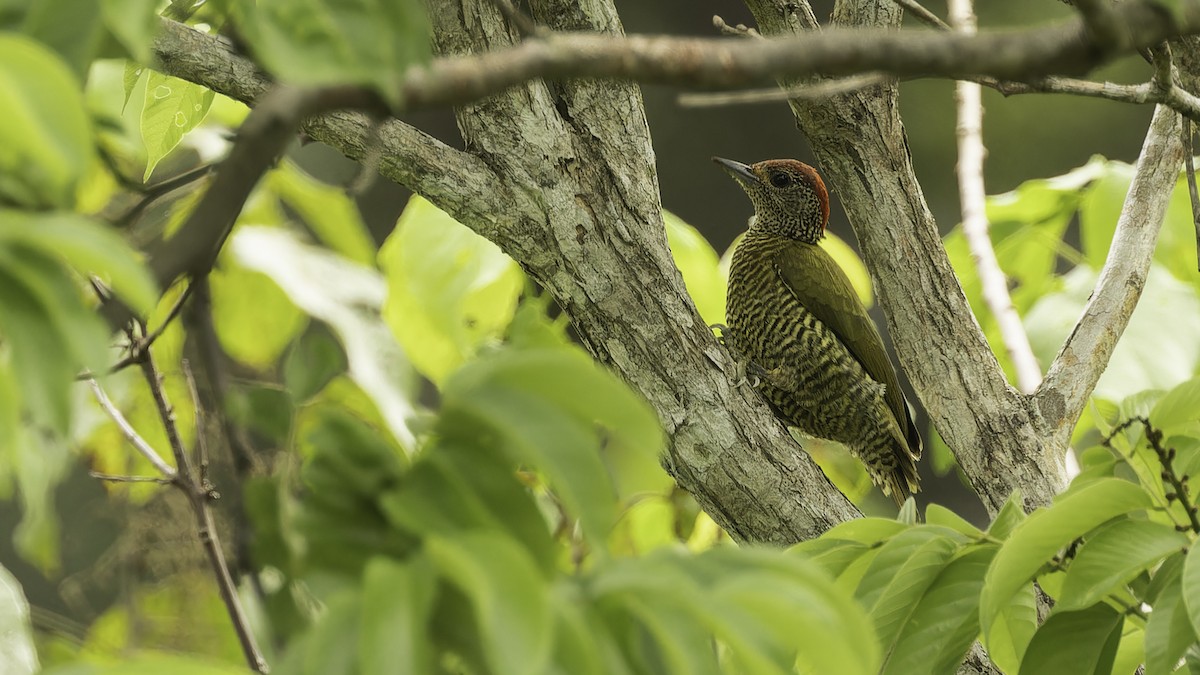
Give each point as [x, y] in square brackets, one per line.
[1083, 357]
[975, 221]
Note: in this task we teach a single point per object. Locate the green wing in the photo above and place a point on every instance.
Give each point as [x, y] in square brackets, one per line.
[819, 283]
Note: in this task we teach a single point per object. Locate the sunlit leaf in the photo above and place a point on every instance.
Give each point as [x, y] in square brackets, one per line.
[1082, 642]
[1114, 555]
[347, 297]
[1048, 530]
[449, 290]
[697, 262]
[172, 108]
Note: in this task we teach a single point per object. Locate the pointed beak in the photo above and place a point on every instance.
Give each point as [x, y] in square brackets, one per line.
[739, 171]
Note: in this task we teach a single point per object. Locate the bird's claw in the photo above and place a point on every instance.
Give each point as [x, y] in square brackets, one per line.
[745, 370]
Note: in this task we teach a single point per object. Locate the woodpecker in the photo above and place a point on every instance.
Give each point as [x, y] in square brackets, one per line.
[796, 323]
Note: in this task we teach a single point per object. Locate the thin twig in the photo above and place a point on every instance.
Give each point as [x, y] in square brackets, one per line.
[1189, 162]
[129, 432]
[201, 442]
[117, 478]
[136, 347]
[924, 15]
[206, 528]
[811, 91]
[1166, 457]
[153, 193]
[994, 284]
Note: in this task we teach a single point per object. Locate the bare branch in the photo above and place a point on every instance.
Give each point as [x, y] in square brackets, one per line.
[924, 15]
[1190, 168]
[198, 496]
[815, 90]
[135, 439]
[975, 221]
[739, 30]
[1084, 356]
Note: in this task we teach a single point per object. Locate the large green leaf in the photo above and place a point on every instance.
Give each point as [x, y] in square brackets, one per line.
[509, 596]
[900, 575]
[254, 318]
[1191, 586]
[45, 141]
[449, 290]
[945, 621]
[1083, 642]
[545, 406]
[1047, 531]
[769, 610]
[1179, 407]
[172, 108]
[347, 297]
[1012, 629]
[1114, 555]
[1169, 631]
[393, 632]
[325, 42]
[87, 245]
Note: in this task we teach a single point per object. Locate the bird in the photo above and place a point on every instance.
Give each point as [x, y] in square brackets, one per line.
[797, 325]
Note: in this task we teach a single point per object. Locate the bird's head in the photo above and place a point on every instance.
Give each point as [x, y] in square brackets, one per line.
[789, 197]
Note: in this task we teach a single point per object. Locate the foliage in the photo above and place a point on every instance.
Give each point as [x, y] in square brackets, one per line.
[440, 482]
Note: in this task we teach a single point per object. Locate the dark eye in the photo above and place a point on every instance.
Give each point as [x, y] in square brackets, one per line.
[781, 180]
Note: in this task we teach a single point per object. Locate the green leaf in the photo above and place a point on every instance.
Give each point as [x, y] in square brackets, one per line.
[1178, 407]
[583, 644]
[46, 139]
[449, 290]
[316, 42]
[134, 23]
[946, 620]
[1114, 555]
[314, 359]
[70, 27]
[1169, 631]
[87, 245]
[697, 262]
[1083, 642]
[1010, 516]
[834, 555]
[1013, 629]
[510, 600]
[253, 317]
[545, 406]
[172, 108]
[762, 605]
[348, 298]
[899, 575]
[866, 530]
[1048, 530]
[466, 487]
[936, 514]
[397, 601]
[17, 652]
[328, 211]
[1191, 586]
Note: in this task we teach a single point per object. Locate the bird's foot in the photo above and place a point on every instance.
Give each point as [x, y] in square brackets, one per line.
[745, 371]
